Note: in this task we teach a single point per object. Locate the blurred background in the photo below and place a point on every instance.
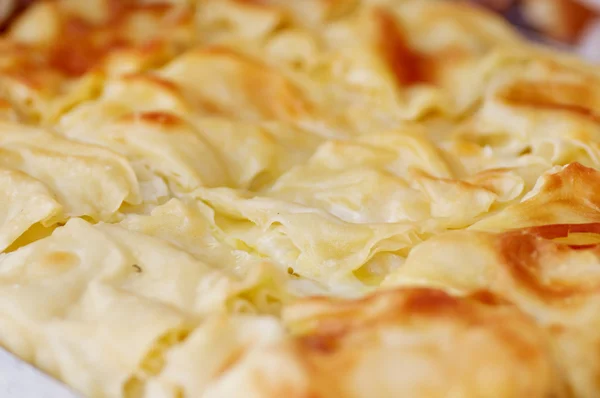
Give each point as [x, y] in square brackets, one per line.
[569, 24]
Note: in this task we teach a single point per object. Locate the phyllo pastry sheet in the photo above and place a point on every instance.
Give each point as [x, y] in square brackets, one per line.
[297, 198]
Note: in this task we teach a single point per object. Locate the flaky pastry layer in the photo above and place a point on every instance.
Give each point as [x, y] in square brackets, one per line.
[297, 198]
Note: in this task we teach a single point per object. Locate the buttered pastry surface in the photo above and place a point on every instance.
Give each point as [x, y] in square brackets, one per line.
[299, 199]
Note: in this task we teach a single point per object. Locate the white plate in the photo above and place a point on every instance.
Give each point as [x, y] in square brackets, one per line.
[19, 379]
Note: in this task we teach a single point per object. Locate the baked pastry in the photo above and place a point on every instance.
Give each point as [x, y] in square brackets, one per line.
[223, 198]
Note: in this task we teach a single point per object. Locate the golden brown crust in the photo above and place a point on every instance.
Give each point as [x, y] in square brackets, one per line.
[422, 332]
[544, 270]
[408, 66]
[524, 254]
[568, 196]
